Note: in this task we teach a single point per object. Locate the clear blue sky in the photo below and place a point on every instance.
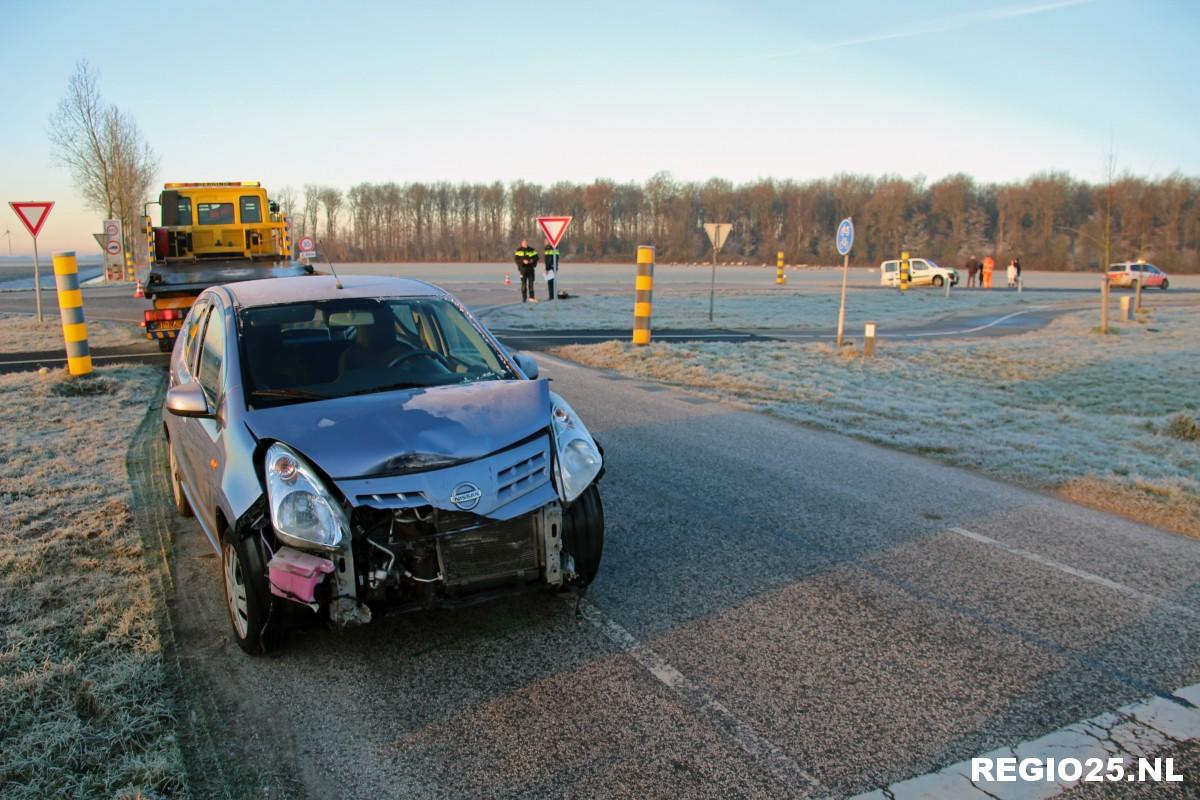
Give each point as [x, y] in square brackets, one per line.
[307, 92]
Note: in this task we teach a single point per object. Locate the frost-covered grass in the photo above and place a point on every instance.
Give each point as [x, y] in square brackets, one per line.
[84, 711]
[21, 333]
[782, 308]
[1102, 419]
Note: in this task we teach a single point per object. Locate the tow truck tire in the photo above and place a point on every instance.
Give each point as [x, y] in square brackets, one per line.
[180, 499]
[583, 535]
[165, 345]
[255, 622]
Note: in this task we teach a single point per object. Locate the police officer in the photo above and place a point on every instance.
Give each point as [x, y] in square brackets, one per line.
[527, 259]
[550, 264]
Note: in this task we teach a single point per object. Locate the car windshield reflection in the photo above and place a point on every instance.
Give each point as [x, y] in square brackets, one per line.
[300, 352]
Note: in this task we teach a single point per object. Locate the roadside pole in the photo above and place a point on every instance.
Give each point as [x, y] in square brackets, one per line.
[780, 278]
[1104, 303]
[643, 295]
[845, 240]
[33, 214]
[1137, 306]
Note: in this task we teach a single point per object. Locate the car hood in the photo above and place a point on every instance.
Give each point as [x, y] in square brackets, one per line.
[395, 432]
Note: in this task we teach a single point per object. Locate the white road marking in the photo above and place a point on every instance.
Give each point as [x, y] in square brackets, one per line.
[1139, 730]
[1090, 577]
[903, 335]
[779, 764]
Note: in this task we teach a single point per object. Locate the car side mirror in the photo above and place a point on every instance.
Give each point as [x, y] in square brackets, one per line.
[527, 365]
[188, 400]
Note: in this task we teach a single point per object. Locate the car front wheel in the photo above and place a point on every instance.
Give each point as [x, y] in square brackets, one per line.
[937, 280]
[1164, 284]
[247, 600]
[583, 535]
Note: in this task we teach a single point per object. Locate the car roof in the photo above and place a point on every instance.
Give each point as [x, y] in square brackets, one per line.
[309, 288]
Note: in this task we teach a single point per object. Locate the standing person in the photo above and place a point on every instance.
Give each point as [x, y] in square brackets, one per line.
[989, 266]
[550, 264]
[527, 259]
[972, 270]
[1012, 274]
[1017, 264]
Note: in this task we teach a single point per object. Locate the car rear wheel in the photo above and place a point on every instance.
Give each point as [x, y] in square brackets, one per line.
[247, 601]
[181, 502]
[583, 535]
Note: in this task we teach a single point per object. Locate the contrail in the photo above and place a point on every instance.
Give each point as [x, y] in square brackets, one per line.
[927, 27]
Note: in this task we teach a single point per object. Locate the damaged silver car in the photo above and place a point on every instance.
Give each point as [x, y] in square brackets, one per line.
[366, 446]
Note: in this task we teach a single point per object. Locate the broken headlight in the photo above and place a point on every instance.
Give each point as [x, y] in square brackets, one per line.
[579, 459]
[305, 514]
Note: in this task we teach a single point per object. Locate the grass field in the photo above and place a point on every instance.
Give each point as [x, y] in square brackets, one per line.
[84, 711]
[20, 333]
[1109, 421]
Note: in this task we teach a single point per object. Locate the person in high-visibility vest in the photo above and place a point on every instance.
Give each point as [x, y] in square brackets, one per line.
[527, 259]
[989, 266]
[550, 265]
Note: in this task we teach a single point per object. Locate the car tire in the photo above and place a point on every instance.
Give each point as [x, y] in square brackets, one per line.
[1164, 284]
[583, 535]
[938, 281]
[182, 506]
[255, 621]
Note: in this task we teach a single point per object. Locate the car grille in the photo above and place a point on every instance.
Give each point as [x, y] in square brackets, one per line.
[521, 477]
[494, 551]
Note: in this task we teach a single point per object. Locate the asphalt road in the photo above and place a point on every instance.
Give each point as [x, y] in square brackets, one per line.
[781, 612]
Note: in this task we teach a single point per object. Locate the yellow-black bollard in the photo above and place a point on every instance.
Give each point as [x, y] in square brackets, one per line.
[905, 271]
[780, 278]
[70, 306]
[287, 238]
[643, 296]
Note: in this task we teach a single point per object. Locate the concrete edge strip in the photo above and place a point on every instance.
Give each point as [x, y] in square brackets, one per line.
[1099, 580]
[1137, 730]
[147, 354]
[764, 753]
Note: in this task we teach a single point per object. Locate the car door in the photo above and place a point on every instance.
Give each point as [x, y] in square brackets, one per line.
[888, 273]
[921, 273]
[183, 370]
[204, 435]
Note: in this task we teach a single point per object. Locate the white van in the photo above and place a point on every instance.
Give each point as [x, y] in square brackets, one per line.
[922, 272]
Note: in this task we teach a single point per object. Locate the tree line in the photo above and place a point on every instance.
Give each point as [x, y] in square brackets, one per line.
[1050, 220]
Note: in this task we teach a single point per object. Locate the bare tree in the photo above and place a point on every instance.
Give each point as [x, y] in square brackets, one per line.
[111, 164]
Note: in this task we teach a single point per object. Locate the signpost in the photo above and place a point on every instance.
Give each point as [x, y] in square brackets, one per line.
[114, 250]
[306, 246]
[845, 240]
[33, 215]
[717, 233]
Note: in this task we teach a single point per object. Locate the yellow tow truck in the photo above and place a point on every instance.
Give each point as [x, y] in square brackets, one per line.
[211, 233]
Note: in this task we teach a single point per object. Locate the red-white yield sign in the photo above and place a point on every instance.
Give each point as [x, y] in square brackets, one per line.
[554, 228]
[33, 213]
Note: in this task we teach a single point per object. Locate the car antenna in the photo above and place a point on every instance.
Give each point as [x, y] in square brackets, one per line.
[337, 282]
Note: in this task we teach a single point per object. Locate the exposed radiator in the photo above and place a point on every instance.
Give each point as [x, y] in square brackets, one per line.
[497, 550]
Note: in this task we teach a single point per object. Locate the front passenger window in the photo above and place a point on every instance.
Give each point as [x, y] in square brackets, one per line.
[212, 354]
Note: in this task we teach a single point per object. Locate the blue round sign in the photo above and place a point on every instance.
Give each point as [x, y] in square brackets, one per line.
[845, 237]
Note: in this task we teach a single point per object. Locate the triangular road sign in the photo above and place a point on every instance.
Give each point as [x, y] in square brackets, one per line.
[33, 214]
[717, 231]
[554, 228]
[99, 237]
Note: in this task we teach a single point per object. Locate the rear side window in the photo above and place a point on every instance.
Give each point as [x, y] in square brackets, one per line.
[889, 266]
[251, 210]
[212, 354]
[214, 213]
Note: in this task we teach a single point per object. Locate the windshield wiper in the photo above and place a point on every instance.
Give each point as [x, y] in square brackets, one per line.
[289, 394]
[390, 387]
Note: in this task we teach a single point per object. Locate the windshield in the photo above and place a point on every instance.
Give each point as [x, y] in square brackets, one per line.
[335, 348]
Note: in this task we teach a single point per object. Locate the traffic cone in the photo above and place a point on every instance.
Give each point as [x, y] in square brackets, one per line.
[507, 279]
[137, 290]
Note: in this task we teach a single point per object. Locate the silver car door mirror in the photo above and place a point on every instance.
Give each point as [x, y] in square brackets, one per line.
[527, 365]
[188, 400]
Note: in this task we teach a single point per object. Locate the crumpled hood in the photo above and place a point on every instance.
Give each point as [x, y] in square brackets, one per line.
[389, 432]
